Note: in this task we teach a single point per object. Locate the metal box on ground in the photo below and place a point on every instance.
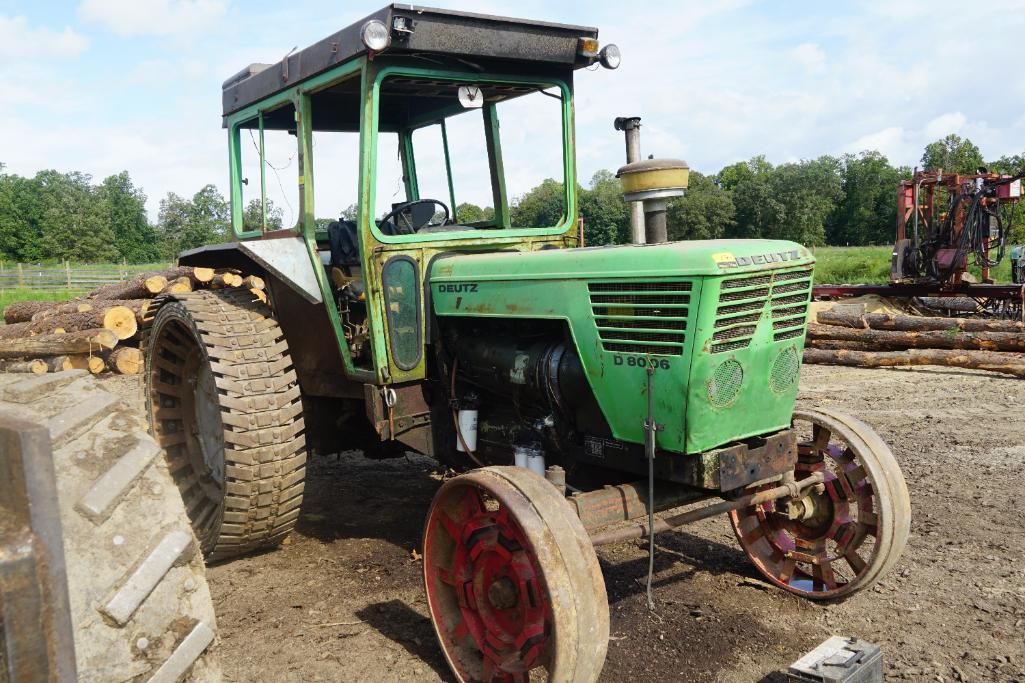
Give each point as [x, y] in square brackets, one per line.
[839, 660]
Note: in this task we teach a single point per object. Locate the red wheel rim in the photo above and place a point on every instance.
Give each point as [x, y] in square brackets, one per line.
[833, 548]
[485, 588]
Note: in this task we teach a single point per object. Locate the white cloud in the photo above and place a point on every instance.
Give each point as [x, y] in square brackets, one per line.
[810, 56]
[890, 141]
[153, 17]
[945, 124]
[22, 42]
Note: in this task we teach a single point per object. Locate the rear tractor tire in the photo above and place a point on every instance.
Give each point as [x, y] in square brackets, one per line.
[139, 602]
[513, 584]
[225, 406]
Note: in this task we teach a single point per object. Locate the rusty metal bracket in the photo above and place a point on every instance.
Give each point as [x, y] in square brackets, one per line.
[35, 619]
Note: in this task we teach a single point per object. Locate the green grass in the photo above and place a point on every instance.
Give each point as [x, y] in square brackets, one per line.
[10, 296]
[852, 265]
[871, 266]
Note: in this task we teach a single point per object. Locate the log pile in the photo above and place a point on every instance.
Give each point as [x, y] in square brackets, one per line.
[873, 340]
[101, 331]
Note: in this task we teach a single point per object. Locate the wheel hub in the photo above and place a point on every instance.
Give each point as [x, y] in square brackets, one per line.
[502, 593]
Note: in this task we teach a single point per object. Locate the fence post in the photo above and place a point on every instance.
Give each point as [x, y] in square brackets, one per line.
[67, 271]
[21, 276]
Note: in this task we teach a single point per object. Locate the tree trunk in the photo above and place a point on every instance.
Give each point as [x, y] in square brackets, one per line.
[253, 282]
[59, 363]
[118, 319]
[36, 367]
[73, 306]
[836, 345]
[142, 286]
[259, 294]
[886, 339]
[180, 285]
[84, 341]
[914, 323]
[126, 360]
[978, 360]
[22, 311]
[94, 364]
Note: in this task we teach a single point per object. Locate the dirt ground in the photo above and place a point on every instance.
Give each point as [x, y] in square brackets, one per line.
[343, 601]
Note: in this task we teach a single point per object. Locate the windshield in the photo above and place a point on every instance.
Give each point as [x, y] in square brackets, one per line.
[471, 155]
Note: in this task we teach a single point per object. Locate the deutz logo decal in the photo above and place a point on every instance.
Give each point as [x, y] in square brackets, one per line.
[728, 260]
[456, 288]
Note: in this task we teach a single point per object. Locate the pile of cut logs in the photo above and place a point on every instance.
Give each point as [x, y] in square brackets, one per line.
[101, 330]
[874, 340]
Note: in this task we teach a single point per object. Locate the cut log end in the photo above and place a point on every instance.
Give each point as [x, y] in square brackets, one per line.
[94, 364]
[126, 360]
[155, 284]
[59, 363]
[35, 367]
[180, 285]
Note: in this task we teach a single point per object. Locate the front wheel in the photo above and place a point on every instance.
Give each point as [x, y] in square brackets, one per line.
[840, 536]
[512, 580]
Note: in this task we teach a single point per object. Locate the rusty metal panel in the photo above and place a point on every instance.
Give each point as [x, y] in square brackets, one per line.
[35, 616]
[741, 465]
[407, 419]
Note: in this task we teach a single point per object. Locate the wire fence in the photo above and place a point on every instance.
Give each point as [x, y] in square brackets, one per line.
[67, 275]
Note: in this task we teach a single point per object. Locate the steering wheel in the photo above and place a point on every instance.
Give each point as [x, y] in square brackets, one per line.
[417, 217]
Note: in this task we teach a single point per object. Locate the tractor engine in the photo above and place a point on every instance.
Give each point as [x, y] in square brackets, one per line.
[702, 339]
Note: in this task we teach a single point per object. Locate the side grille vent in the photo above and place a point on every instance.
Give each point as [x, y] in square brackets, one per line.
[641, 317]
[742, 300]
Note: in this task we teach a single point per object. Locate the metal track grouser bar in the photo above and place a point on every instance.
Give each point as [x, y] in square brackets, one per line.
[667, 523]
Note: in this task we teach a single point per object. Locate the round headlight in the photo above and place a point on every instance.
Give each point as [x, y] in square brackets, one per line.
[375, 35]
[610, 56]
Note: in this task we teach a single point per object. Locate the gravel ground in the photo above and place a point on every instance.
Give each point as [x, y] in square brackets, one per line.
[343, 601]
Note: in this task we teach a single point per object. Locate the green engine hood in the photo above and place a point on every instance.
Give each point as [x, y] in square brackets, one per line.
[699, 313]
[673, 259]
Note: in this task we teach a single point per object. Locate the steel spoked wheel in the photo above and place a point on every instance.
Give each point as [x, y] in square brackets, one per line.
[513, 584]
[838, 537]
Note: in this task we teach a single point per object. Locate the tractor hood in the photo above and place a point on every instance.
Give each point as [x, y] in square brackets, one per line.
[674, 259]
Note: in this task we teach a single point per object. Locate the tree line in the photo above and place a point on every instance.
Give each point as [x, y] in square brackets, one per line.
[846, 200]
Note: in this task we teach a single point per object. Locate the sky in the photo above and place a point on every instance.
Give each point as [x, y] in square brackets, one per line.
[101, 86]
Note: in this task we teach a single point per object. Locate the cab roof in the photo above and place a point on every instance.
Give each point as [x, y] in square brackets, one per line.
[480, 37]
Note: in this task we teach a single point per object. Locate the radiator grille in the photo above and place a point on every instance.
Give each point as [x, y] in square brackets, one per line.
[641, 317]
[742, 300]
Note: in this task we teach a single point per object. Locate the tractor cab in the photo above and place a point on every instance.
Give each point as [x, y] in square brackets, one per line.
[398, 140]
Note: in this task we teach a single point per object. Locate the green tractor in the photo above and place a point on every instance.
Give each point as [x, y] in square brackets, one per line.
[575, 388]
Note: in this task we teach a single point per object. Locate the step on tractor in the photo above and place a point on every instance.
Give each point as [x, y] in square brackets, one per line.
[569, 389]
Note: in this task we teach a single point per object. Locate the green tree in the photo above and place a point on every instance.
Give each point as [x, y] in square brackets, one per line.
[952, 154]
[541, 207]
[1008, 165]
[704, 212]
[757, 210]
[184, 224]
[124, 208]
[252, 216]
[20, 239]
[866, 212]
[606, 214]
[471, 213]
[72, 224]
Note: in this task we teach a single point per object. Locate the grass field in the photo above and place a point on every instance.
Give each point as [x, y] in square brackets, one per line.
[871, 266]
[9, 296]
